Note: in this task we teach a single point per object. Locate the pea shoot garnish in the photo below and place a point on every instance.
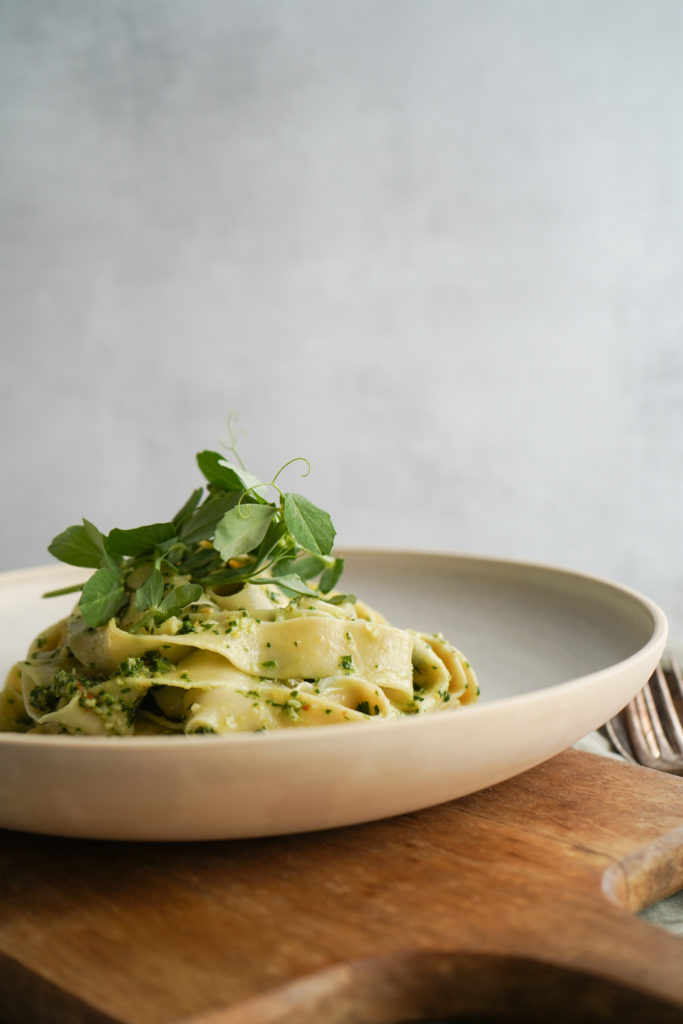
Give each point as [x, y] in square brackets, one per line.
[225, 535]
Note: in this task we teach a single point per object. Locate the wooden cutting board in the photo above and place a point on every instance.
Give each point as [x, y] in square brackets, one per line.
[515, 903]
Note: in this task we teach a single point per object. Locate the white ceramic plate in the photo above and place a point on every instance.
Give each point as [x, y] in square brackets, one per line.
[557, 653]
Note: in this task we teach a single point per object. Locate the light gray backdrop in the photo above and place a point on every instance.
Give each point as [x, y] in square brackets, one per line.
[436, 247]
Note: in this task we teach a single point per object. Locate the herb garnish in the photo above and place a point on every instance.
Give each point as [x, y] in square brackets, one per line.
[225, 535]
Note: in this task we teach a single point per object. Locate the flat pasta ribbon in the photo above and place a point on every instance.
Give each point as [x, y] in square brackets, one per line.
[250, 661]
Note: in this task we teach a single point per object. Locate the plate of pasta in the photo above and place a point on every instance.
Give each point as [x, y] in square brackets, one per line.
[555, 653]
[228, 672]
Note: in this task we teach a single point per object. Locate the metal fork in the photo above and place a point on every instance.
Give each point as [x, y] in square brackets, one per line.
[649, 730]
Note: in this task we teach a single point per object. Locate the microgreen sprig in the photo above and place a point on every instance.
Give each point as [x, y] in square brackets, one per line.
[226, 534]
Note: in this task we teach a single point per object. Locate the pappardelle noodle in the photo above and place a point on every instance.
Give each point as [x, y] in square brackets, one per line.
[225, 619]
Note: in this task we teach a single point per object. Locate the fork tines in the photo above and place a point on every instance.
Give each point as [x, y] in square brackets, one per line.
[649, 730]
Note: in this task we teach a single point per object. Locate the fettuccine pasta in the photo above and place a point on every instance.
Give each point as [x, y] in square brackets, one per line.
[251, 661]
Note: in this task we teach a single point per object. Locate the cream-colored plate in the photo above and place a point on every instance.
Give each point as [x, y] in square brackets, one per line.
[557, 653]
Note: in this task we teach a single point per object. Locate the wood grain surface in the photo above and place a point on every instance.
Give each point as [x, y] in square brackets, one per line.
[515, 904]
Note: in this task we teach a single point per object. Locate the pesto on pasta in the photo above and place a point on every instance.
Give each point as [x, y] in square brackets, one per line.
[224, 619]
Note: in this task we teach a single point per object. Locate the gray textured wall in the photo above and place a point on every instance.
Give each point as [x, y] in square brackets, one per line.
[436, 247]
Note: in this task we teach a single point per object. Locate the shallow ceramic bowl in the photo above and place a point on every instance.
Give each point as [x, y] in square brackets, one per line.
[557, 654]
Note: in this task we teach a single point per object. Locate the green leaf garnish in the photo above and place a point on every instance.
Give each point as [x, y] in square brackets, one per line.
[179, 598]
[242, 529]
[203, 521]
[140, 540]
[75, 546]
[331, 576]
[310, 527]
[289, 583]
[225, 535]
[219, 471]
[183, 514]
[342, 599]
[150, 592]
[102, 597]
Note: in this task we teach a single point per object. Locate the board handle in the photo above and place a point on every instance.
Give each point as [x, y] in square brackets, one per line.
[647, 875]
